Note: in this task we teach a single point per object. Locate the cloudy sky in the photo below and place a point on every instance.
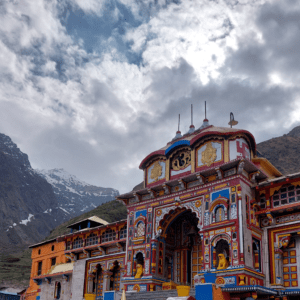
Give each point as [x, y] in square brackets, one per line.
[93, 86]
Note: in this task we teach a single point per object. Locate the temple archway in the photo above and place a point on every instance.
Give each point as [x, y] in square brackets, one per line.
[180, 248]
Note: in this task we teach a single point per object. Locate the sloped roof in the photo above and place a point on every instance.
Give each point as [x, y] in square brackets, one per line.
[93, 219]
[62, 268]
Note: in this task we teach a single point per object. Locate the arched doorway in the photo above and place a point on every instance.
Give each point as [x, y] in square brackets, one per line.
[114, 284]
[95, 278]
[180, 248]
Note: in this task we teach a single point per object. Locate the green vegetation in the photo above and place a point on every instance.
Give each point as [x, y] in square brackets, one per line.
[15, 268]
[111, 211]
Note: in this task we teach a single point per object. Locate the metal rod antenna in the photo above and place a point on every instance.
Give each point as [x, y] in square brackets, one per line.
[192, 114]
[178, 122]
[205, 109]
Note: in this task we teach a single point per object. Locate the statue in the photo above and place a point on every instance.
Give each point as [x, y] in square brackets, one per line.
[223, 262]
[139, 271]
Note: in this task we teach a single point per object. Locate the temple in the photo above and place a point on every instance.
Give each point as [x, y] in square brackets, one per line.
[211, 214]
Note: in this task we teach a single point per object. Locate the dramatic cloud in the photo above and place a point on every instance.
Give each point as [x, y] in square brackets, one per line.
[95, 86]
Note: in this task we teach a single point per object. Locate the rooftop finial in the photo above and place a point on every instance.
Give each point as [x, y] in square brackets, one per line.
[232, 121]
[192, 127]
[178, 133]
[205, 121]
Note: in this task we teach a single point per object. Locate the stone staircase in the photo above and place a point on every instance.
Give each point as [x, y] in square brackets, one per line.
[156, 295]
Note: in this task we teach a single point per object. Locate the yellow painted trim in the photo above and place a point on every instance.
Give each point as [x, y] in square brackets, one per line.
[267, 166]
[167, 175]
[193, 153]
[226, 151]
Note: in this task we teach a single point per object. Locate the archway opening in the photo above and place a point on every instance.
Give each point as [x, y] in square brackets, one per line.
[114, 283]
[222, 253]
[180, 252]
[97, 279]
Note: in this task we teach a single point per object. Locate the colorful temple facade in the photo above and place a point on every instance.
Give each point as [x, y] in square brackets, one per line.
[211, 211]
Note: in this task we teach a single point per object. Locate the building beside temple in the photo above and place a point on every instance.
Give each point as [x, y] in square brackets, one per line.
[211, 211]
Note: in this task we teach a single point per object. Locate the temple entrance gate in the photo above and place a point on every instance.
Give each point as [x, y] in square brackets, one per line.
[180, 247]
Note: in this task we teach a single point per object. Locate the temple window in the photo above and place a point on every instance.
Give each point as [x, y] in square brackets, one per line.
[69, 243]
[57, 290]
[286, 195]
[263, 201]
[91, 240]
[123, 233]
[206, 205]
[108, 235]
[140, 230]
[220, 214]
[78, 243]
[53, 261]
[256, 255]
[40, 264]
[233, 198]
[39, 252]
[52, 248]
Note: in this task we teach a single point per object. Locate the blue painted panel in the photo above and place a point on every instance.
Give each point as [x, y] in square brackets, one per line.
[210, 277]
[110, 295]
[204, 291]
[179, 143]
[141, 213]
[222, 193]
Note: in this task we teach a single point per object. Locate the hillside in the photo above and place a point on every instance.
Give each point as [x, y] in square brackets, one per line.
[110, 212]
[283, 152]
[10, 265]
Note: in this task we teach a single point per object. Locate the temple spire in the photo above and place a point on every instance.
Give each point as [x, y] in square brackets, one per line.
[178, 133]
[205, 121]
[192, 127]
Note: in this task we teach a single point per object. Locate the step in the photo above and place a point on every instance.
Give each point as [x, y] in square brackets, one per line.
[157, 295]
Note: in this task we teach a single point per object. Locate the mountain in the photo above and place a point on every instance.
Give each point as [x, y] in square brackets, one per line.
[33, 202]
[74, 196]
[283, 152]
[24, 197]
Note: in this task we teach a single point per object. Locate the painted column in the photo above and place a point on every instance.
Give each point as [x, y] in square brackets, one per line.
[134, 266]
[214, 258]
[241, 238]
[278, 266]
[256, 259]
[106, 280]
[153, 253]
[91, 278]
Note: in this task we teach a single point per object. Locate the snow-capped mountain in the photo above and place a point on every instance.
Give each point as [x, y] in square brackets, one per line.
[32, 203]
[73, 195]
[24, 196]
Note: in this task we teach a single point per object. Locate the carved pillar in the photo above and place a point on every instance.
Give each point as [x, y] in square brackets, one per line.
[214, 258]
[106, 280]
[134, 266]
[91, 278]
[278, 266]
[153, 263]
[256, 259]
